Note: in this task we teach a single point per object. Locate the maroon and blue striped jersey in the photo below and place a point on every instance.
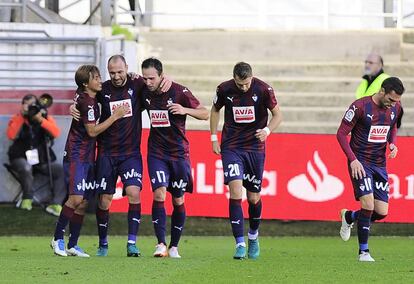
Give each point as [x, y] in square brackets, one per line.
[79, 145]
[167, 138]
[123, 137]
[244, 113]
[371, 127]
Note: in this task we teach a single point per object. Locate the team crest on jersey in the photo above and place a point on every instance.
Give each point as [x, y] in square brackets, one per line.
[254, 98]
[378, 133]
[159, 118]
[392, 115]
[169, 102]
[244, 114]
[91, 114]
[127, 103]
[130, 92]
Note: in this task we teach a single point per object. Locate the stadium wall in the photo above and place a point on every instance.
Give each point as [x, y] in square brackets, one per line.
[305, 174]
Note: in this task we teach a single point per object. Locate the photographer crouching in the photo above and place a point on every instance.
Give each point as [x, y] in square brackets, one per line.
[32, 131]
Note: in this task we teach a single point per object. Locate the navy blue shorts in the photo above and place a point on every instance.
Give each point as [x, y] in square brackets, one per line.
[129, 168]
[245, 166]
[79, 178]
[174, 175]
[375, 181]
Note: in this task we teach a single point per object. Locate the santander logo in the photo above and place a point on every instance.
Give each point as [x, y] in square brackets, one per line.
[316, 185]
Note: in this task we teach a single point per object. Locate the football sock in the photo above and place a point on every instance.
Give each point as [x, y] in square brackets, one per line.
[255, 212]
[177, 224]
[134, 219]
[351, 216]
[236, 219]
[75, 226]
[102, 220]
[375, 216]
[364, 221]
[64, 217]
[159, 218]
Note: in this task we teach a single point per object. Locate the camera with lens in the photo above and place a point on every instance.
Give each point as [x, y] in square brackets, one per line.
[40, 105]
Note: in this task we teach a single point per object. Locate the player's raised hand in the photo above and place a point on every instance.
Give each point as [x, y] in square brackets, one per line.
[216, 147]
[261, 134]
[165, 84]
[176, 109]
[357, 169]
[133, 75]
[120, 111]
[394, 151]
[74, 112]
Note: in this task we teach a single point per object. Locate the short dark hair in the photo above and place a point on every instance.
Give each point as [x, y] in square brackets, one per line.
[152, 62]
[242, 70]
[393, 84]
[28, 97]
[83, 74]
[117, 57]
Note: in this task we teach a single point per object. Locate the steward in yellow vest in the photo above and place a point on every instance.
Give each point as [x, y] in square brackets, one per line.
[370, 85]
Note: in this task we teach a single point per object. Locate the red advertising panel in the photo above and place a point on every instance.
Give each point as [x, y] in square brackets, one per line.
[305, 178]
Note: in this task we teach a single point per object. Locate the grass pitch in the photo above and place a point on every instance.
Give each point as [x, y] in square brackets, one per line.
[209, 260]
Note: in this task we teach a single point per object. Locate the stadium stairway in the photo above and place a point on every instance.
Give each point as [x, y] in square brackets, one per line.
[314, 74]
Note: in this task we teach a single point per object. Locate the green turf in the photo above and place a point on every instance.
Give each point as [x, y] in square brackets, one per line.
[20, 222]
[209, 260]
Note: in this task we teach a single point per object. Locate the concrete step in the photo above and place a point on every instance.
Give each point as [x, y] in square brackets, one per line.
[286, 69]
[287, 84]
[307, 99]
[407, 52]
[285, 46]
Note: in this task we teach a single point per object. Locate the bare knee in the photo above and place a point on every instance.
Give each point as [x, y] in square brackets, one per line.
[105, 201]
[159, 194]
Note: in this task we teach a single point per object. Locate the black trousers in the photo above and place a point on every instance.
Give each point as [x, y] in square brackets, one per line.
[27, 173]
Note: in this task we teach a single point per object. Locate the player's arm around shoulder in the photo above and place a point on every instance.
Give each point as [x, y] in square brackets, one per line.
[94, 129]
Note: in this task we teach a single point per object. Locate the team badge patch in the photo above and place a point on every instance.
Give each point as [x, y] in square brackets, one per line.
[91, 114]
[169, 102]
[392, 115]
[254, 98]
[349, 115]
[130, 92]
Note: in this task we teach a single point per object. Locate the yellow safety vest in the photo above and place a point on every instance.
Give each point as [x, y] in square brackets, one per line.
[364, 91]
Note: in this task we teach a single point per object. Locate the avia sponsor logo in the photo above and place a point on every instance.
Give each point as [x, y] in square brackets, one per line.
[159, 118]
[113, 105]
[378, 133]
[243, 114]
[268, 182]
[179, 184]
[316, 185]
[83, 185]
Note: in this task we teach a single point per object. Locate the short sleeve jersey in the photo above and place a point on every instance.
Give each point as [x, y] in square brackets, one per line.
[167, 138]
[123, 137]
[79, 145]
[244, 113]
